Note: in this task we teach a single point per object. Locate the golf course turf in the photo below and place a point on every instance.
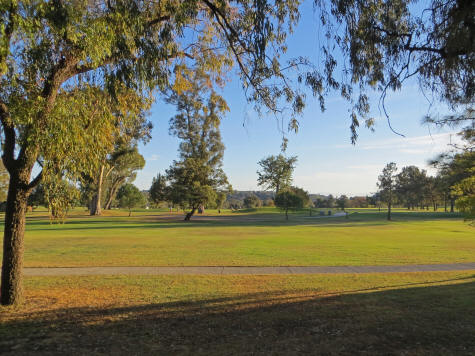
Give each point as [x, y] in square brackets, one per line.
[417, 313]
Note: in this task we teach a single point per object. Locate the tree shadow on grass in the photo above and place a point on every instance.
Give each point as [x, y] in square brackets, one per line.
[422, 320]
[257, 220]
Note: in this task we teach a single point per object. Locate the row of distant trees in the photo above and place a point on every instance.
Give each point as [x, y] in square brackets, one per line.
[452, 187]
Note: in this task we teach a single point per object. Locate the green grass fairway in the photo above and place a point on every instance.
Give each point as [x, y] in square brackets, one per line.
[377, 314]
[252, 238]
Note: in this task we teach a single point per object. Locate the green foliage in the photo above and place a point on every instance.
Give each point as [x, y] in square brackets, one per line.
[386, 185]
[288, 200]
[158, 190]
[410, 185]
[60, 196]
[386, 182]
[129, 197]
[276, 172]
[4, 179]
[465, 192]
[303, 194]
[123, 165]
[252, 201]
[342, 202]
[220, 199]
[383, 43]
[198, 176]
[37, 197]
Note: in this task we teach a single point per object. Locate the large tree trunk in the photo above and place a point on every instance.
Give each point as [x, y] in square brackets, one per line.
[12, 264]
[389, 210]
[190, 214]
[452, 204]
[95, 207]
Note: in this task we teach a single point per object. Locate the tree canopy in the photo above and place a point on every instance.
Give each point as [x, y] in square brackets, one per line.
[158, 189]
[386, 185]
[276, 172]
[58, 58]
[130, 196]
[383, 43]
[288, 199]
[198, 176]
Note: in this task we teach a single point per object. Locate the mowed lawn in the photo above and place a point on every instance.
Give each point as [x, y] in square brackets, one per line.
[373, 314]
[261, 238]
[430, 313]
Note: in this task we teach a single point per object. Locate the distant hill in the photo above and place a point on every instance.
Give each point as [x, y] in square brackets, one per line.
[263, 195]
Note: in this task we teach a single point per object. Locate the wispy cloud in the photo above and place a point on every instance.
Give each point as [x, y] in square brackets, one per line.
[415, 145]
[153, 158]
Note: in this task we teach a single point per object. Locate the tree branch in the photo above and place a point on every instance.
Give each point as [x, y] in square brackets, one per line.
[35, 181]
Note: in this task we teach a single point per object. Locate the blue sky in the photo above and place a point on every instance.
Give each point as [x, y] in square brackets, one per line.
[327, 161]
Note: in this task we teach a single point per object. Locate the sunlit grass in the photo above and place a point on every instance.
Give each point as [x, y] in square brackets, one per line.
[260, 238]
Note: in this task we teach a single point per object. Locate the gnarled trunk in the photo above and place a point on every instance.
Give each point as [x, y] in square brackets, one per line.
[13, 245]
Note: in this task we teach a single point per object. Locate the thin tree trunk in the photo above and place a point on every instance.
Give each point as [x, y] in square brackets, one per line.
[389, 211]
[452, 204]
[96, 200]
[286, 214]
[190, 214]
[112, 194]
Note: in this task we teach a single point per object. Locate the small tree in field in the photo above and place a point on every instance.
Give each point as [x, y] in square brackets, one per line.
[287, 200]
[342, 202]
[276, 172]
[386, 185]
[130, 197]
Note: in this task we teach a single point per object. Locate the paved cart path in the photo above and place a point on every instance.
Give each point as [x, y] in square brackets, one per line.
[225, 270]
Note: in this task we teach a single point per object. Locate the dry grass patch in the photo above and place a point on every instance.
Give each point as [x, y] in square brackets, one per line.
[404, 313]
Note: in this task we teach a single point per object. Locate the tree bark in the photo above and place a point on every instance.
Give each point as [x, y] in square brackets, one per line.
[190, 214]
[95, 208]
[112, 194]
[452, 204]
[15, 216]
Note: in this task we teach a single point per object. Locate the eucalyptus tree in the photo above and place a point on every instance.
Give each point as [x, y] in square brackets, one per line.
[124, 164]
[56, 57]
[197, 177]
